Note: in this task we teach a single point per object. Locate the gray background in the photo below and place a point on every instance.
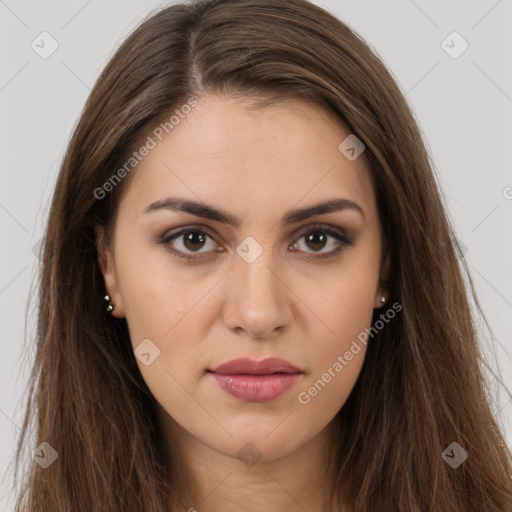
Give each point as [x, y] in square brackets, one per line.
[463, 106]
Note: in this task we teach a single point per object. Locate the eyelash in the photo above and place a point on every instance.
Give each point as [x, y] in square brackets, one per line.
[338, 235]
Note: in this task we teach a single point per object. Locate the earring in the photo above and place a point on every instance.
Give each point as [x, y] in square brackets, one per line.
[383, 299]
[110, 305]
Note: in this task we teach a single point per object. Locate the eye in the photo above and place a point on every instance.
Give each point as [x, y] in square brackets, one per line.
[188, 243]
[189, 239]
[317, 238]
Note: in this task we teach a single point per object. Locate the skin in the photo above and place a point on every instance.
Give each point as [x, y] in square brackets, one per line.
[256, 165]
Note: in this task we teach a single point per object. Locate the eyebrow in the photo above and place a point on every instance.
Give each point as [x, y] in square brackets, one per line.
[200, 209]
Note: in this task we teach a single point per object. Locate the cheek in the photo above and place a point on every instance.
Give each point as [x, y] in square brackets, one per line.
[160, 296]
[338, 354]
[344, 307]
[173, 307]
[342, 300]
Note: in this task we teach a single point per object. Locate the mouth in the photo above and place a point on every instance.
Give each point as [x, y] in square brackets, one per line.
[256, 381]
[250, 366]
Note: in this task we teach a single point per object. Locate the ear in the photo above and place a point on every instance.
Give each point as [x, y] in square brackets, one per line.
[108, 269]
[382, 290]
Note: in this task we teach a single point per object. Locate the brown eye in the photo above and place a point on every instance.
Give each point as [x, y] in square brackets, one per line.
[192, 244]
[318, 238]
[188, 243]
[194, 240]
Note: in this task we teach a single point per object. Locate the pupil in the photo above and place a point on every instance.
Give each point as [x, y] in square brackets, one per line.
[192, 239]
[315, 239]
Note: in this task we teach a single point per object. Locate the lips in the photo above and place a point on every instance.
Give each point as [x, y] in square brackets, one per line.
[252, 367]
[256, 381]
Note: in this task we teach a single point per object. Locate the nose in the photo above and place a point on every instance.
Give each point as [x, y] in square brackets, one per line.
[257, 299]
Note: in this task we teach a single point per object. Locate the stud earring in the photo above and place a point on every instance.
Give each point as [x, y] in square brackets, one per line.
[110, 305]
[383, 299]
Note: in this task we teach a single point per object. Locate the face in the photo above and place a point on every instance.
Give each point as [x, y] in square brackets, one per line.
[218, 254]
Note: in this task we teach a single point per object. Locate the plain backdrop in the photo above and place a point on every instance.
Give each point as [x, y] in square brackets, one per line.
[462, 98]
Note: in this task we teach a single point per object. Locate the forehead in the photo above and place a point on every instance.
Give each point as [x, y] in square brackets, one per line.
[223, 151]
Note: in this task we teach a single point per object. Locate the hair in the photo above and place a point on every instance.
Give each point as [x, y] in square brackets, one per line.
[422, 385]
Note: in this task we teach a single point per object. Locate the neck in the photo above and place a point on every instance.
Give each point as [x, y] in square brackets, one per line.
[212, 481]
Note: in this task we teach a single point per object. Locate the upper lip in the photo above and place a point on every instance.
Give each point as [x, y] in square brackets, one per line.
[251, 366]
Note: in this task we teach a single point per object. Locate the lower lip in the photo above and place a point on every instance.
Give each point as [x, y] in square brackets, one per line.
[256, 388]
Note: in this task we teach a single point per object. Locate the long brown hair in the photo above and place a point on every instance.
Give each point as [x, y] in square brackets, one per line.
[422, 385]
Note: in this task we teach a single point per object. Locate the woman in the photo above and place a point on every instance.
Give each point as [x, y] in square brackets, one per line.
[250, 296]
